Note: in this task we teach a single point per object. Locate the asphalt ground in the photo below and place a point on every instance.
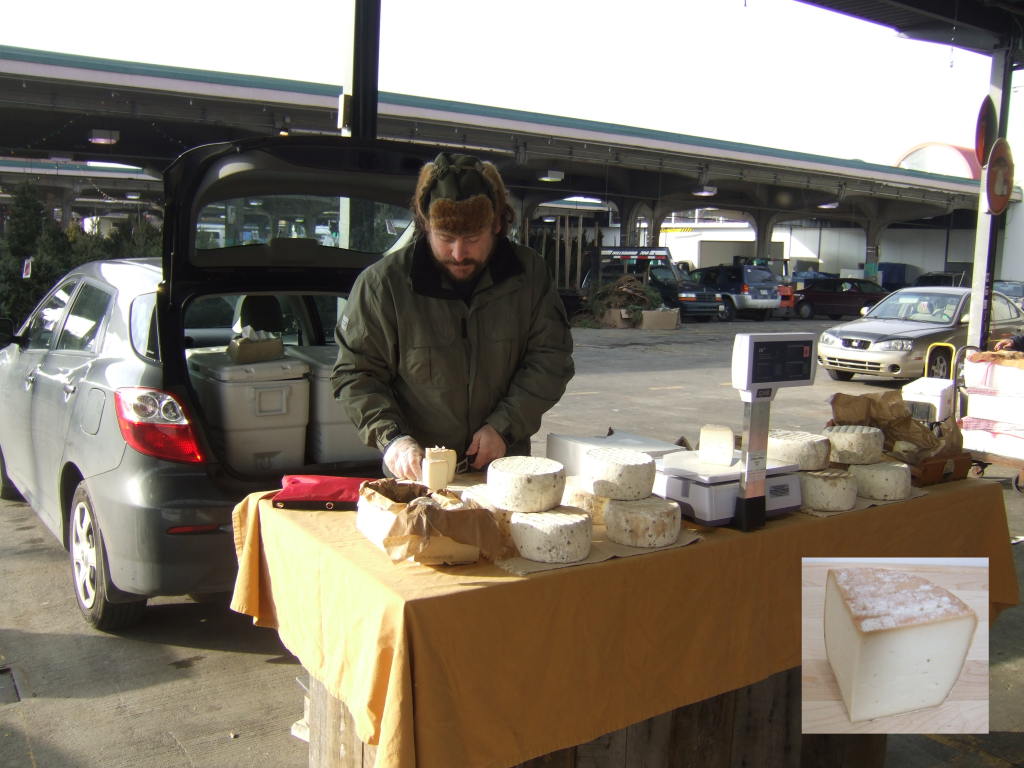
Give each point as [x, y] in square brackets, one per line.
[197, 686]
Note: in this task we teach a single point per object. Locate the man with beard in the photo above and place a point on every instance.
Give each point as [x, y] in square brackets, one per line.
[458, 340]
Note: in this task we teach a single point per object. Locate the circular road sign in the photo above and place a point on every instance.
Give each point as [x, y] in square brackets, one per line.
[999, 181]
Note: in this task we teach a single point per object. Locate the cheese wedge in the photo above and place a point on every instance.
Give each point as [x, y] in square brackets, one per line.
[896, 642]
[716, 445]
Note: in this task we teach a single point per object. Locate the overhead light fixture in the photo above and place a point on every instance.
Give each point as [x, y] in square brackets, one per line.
[548, 219]
[829, 205]
[551, 175]
[703, 189]
[132, 195]
[104, 136]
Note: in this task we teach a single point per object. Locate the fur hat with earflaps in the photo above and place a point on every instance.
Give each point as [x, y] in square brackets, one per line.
[460, 195]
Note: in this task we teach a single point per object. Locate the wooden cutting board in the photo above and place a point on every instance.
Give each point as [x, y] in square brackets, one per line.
[965, 710]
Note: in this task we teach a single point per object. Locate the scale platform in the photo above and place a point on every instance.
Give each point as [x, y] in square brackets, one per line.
[707, 492]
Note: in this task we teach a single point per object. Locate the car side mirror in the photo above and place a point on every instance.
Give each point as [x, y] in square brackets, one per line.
[7, 334]
[864, 311]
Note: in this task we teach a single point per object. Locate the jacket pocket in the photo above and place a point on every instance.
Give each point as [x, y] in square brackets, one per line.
[429, 357]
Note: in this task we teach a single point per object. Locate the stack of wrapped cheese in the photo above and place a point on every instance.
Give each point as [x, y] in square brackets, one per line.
[825, 485]
[524, 495]
[616, 488]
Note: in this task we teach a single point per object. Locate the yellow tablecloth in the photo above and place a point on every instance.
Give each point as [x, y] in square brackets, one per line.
[468, 666]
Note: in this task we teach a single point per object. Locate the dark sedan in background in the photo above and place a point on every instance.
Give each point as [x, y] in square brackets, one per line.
[836, 297]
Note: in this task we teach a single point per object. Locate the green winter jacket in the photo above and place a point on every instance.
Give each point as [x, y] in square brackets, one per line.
[416, 359]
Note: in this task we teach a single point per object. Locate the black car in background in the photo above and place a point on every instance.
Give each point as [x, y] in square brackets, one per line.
[654, 267]
[836, 297]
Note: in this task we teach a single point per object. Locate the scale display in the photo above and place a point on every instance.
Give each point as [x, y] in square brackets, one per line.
[772, 360]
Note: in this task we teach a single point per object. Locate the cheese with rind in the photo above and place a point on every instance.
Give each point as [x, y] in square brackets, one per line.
[855, 443]
[579, 492]
[525, 483]
[716, 445]
[809, 451]
[650, 522]
[884, 481]
[896, 642]
[619, 473]
[478, 496]
[828, 490]
[560, 535]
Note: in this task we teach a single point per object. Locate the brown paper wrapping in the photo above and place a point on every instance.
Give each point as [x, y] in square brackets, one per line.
[425, 523]
[888, 412]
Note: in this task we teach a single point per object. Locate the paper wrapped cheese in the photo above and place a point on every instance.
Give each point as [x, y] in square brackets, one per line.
[408, 523]
[895, 641]
[525, 483]
[619, 473]
[478, 496]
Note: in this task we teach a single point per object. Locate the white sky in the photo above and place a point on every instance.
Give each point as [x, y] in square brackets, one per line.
[774, 73]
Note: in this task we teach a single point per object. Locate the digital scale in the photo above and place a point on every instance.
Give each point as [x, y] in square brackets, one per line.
[750, 489]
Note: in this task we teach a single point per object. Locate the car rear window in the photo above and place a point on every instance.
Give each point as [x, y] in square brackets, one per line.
[305, 222]
[754, 275]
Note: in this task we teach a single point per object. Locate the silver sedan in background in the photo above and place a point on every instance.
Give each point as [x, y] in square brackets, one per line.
[892, 339]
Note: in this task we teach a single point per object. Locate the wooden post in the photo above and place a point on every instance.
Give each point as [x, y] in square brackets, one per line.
[567, 234]
[579, 251]
[558, 245]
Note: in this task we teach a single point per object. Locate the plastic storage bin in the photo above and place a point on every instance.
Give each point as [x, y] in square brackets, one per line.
[330, 435]
[257, 412]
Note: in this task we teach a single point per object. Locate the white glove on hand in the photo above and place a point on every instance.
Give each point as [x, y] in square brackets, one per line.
[404, 457]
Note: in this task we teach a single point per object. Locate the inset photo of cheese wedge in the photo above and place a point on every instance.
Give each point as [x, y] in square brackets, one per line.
[895, 645]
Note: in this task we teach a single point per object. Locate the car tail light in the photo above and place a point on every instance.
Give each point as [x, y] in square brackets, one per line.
[745, 288]
[154, 423]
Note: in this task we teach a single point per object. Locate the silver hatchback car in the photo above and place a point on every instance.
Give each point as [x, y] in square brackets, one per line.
[892, 339]
[129, 425]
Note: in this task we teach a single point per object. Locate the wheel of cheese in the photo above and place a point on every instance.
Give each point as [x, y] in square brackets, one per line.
[478, 496]
[895, 641]
[650, 522]
[525, 483]
[579, 492]
[619, 473]
[805, 449]
[884, 481]
[828, 490]
[560, 535]
[855, 443]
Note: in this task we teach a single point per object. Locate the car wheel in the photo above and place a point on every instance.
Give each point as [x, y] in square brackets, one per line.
[840, 375]
[805, 310]
[7, 489]
[939, 365]
[89, 568]
[728, 313]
